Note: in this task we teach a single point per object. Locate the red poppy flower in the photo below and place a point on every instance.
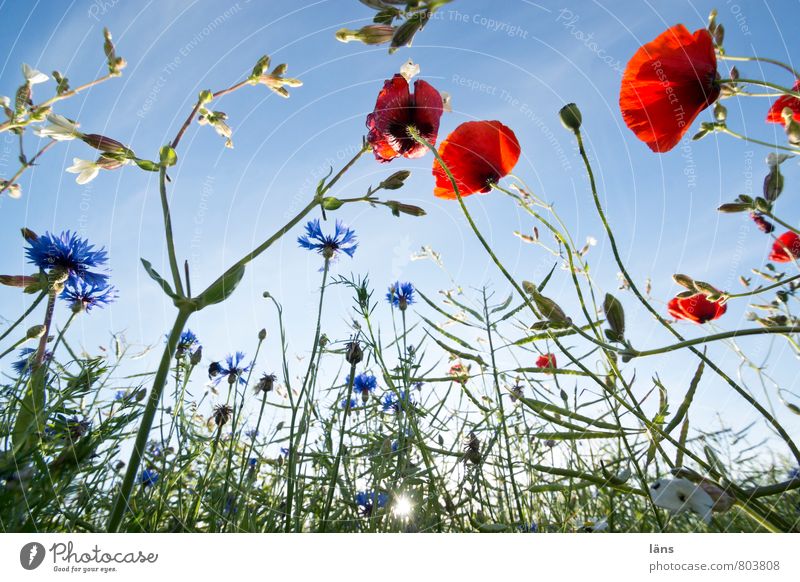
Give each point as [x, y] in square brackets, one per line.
[395, 110]
[478, 154]
[793, 103]
[696, 308]
[546, 361]
[786, 248]
[666, 85]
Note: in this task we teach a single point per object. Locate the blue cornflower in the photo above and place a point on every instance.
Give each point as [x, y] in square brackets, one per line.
[284, 451]
[368, 500]
[23, 366]
[343, 239]
[353, 403]
[233, 369]
[252, 462]
[794, 473]
[148, 478]
[251, 433]
[187, 341]
[363, 384]
[69, 254]
[529, 528]
[400, 295]
[82, 296]
[120, 394]
[392, 402]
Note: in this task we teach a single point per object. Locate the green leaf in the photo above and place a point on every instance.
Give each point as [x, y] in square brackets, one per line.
[147, 165]
[220, 289]
[687, 400]
[158, 279]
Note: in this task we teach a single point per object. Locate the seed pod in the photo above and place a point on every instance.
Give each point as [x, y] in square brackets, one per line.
[615, 314]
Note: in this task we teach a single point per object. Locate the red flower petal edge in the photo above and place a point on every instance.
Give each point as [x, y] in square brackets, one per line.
[546, 361]
[478, 154]
[786, 248]
[666, 85]
[395, 111]
[793, 103]
[696, 308]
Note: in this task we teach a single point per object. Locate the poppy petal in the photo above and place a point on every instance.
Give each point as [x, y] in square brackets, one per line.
[775, 112]
[696, 308]
[786, 248]
[666, 85]
[478, 153]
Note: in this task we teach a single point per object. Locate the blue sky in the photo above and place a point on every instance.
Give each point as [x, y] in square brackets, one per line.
[518, 62]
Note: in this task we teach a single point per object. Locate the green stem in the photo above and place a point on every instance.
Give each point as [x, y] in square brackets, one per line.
[710, 338]
[121, 501]
[173, 261]
[293, 440]
[22, 317]
[337, 461]
[782, 89]
[782, 223]
[634, 288]
[760, 290]
[757, 141]
[784, 66]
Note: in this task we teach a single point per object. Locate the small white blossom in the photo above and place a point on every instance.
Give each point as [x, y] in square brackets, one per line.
[5, 101]
[678, 495]
[87, 170]
[409, 70]
[59, 129]
[33, 76]
[447, 102]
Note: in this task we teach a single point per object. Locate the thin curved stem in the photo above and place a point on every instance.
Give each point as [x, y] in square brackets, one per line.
[22, 317]
[784, 66]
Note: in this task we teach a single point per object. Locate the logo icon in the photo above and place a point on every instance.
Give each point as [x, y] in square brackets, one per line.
[31, 555]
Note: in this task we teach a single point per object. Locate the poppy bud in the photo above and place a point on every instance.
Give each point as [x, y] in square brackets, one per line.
[398, 208]
[773, 184]
[370, 34]
[331, 203]
[683, 280]
[395, 181]
[196, 356]
[354, 354]
[549, 309]
[262, 335]
[733, 207]
[708, 290]
[615, 315]
[571, 116]
[406, 31]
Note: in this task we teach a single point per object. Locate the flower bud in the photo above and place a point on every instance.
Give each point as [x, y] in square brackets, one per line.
[399, 207]
[683, 280]
[571, 116]
[196, 356]
[395, 181]
[205, 97]
[615, 315]
[35, 332]
[262, 335]
[370, 34]
[773, 184]
[353, 353]
[733, 207]
[105, 144]
[29, 235]
[331, 203]
[720, 112]
[549, 309]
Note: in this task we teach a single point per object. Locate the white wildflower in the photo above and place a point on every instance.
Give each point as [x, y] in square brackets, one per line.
[678, 495]
[87, 170]
[33, 76]
[409, 70]
[59, 129]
